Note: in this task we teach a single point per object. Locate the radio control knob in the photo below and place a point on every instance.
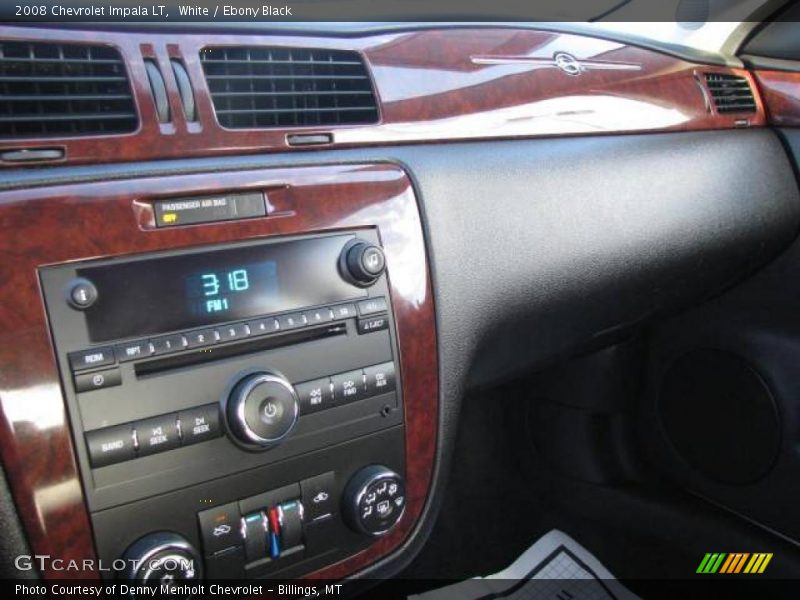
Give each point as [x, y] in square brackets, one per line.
[362, 263]
[374, 500]
[163, 558]
[81, 294]
[261, 410]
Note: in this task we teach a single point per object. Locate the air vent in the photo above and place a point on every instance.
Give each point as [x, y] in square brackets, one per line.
[731, 94]
[49, 90]
[288, 87]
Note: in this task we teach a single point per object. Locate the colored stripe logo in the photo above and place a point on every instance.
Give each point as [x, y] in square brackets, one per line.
[734, 563]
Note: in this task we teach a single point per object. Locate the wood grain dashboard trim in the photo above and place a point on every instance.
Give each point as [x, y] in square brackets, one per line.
[432, 87]
[780, 91]
[106, 219]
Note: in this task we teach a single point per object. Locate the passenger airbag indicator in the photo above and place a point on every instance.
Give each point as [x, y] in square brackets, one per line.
[209, 209]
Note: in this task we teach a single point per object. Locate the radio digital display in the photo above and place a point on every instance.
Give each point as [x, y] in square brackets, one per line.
[169, 293]
[221, 292]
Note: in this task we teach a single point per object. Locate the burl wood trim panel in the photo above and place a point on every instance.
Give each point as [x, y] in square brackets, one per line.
[780, 91]
[433, 86]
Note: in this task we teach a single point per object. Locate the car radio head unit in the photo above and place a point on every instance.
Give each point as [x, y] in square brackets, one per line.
[239, 403]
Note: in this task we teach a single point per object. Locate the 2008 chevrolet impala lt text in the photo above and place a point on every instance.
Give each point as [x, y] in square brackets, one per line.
[360, 298]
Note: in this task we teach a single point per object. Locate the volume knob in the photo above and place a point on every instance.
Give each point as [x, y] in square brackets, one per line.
[362, 263]
[261, 410]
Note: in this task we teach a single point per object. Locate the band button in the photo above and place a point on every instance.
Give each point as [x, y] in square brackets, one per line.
[110, 445]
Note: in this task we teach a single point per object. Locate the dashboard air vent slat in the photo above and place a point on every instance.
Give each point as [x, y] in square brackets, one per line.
[54, 90]
[731, 93]
[262, 87]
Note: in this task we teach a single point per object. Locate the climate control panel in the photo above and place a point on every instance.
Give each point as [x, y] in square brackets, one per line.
[266, 532]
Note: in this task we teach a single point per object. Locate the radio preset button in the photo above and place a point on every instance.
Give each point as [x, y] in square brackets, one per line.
[86, 382]
[370, 324]
[348, 387]
[372, 306]
[200, 338]
[263, 326]
[314, 395]
[236, 331]
[90, 359]
[344, 311]
[168, 343]
[293, 321]
[380, 379]
[133, 350]
[199, 424]
[157, 434]
[319, 316]
[110, 445]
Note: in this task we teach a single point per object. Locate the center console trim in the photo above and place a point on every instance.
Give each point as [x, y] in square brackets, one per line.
[48, 227]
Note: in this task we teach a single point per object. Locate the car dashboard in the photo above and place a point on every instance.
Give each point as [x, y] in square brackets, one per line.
[248, 278]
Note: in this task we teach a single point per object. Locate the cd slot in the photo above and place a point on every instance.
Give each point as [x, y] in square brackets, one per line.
[220, 351]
